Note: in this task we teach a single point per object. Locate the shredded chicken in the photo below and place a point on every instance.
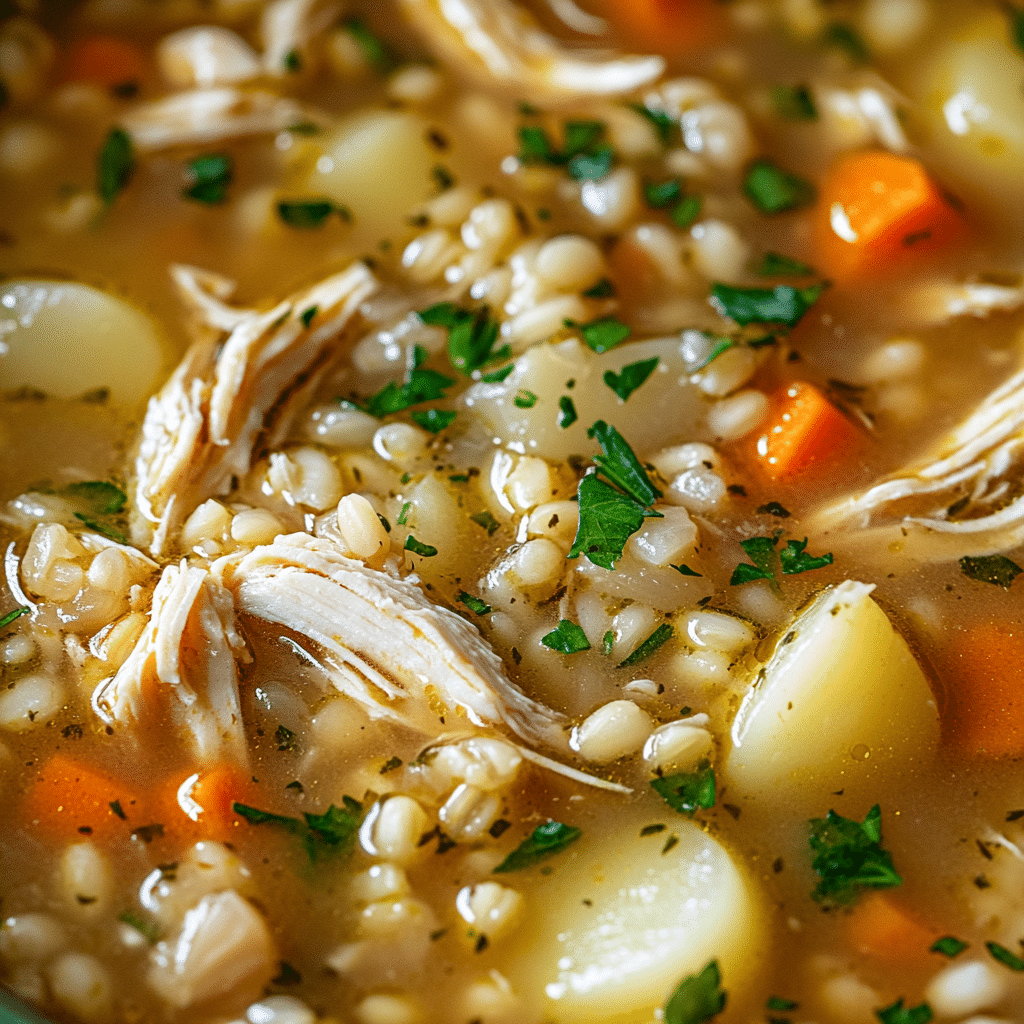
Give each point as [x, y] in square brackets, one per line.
[968, 490]
[940, 302]
[184, 662]
[497, 40]
[227, 400]
[288, 27]
[200, 116]
[381, 641]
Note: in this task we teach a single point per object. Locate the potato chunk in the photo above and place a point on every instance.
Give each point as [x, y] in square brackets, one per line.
[841, 698]
[623, 923]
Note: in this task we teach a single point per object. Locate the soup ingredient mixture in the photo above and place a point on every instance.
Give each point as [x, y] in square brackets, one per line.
[512, 512]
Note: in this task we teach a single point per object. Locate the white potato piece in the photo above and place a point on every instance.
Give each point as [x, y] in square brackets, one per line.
[378, 164]
[68, 339]
[841, 698]
[649, 920]
[660, 409]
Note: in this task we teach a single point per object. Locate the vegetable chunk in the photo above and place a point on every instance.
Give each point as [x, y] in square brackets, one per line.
[841, 694]
[878, 213]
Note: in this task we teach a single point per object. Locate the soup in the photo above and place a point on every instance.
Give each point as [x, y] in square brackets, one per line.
[512, 513]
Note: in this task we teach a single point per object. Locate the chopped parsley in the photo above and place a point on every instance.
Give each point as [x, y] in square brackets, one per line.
[774, 264]
[608, 642]
[498, 375]
[544, 842]
[286, 975]
[773, 190]
[778, 1004]
[660, 636]
[434, 420]
[995, 569]
[604, 334]
[101, 504]
[688, 792]
[584, 154]
[773, 508]
[630, 378]
[307, 214]
[604, 289]
[419, 548]
[403, 515]
[474, 604]
[698, 997]
[948, 945]
[207, 178]
[566, 637]
[471, 334]
[308, 314]
[685, 570]
[375, 52]
[1004, 956]
[662, 122]
[686, 211]
[443, 178]
[293, 61]
[761, 552]
[900, 1014]
[421, 386]
[285, 738]
[660, 194]
[567, 414]
[848, 857]
[391, 764]
[524, 399]
[793, 103]
[794, 558]
[7, 619]
[115, 165]
[842, 36]
[334, 830]
[610, 515]
[149, 930]
[782, 304]
[486, 520]
[1016, 18]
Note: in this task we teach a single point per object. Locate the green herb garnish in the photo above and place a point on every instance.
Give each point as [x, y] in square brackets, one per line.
[698, 998]
[1004, 956]
[793, 103]
[663, 123]
[686, 211]
[207, 178]
[474, 604]
[660, 194]
[603, 334]
[293, 62]
[620, 465]
[567, 414]
[421, 386]
[335, 829]
[900, 1014]
[567, 638]
[848, 857]
[685, 570]
[308, 314]
[115, 165]
[995, 569]
[376, 53]
[777, 1004]
[761, 552]
[583, 154]
[630, 378]
[662, 634]
[774, 264]
[486, 520]
[149, 930]
[307, 214]
[949, 946]
[524, 399]
[843, 37]
[782, 304]
[688, 792]
[471, 334]
[773, 190]
[794, 558]
[16, 613]
[419, 548]
[544, 842]
[285, 738]
[434, 420]
[498, 375]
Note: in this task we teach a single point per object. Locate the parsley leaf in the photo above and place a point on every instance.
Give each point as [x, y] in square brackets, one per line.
[115, 165]
[101, 502]
[1004, 956]
[434, 420]
[207, 178]
[584, 156]
[567, 638]
[662, 122]
[591, 166]
[604, 289]
[16, 613]
[685, 570]
[761, 552]
[900, 1014]
[308, 314]
[848, 856]
[376, 53]
[688, 792]
[686, 211]
[567, 414]
[630, 378]
[782, 304]
[660, 194]
[995, 569]
[149, 930]
[948, 945]
[698, 998]
[498, 375]
[608, 518]
[603, 334]
[620, 465]
[843, 37]
[774, 264]
[778, 1004]
[335, 828]
[773, 190]
[663, 633]
[417, 547]
[474, 604]
[794, 558]
[545, 841]
[793, 103]
[307, 214]
[486, 520]
[421, 386]
[524, 399]
[471, 335]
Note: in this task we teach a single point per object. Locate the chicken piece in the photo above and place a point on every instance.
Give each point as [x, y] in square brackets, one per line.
[205, 294]
[288, 27]
[227, 402]
[184, 665]
[223, 944]
[497, 40]
[940, 302]
[206, 55]
[197, 117]
[975, 471]
[381, 641]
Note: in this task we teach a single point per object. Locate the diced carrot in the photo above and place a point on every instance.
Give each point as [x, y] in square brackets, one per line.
[878, 213]
[880, 927]
[804, 432]
[106, 61]
[68, 800]
[197, 806]
[983, 713]
[671, 27]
